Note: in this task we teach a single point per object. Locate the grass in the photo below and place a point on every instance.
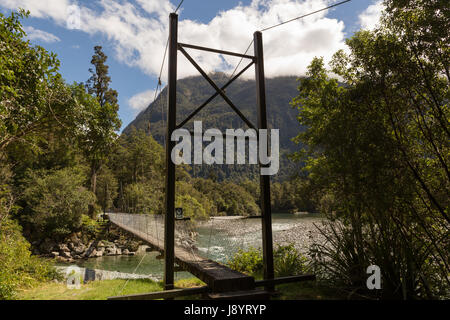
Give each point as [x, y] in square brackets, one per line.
[307, 291]
[99, 290]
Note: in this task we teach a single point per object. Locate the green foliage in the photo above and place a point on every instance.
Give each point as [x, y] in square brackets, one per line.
[18, 268]
[55, 201]
[191, 207]
[107, 187]
[92, 227]
[228, 197]
[34, 98]
[247, 261]
[287, 261]
[376, 150]
[141, 198]
[138, 158]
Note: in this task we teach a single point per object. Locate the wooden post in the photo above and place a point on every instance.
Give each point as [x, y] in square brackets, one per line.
[266, 210]
[169, 222]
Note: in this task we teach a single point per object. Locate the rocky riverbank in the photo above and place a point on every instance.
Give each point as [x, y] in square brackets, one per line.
[300, 232]
[77, 246]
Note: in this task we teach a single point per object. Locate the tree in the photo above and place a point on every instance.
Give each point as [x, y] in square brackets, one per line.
[98, 83]
[33, 97]
[106, 188]
[99, 132]
[377, 150]
[55, 201]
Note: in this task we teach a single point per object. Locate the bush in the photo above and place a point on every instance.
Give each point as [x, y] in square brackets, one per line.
[17, 267]
[55, 201]
[287, 261]
[247, 261]
[91, 227]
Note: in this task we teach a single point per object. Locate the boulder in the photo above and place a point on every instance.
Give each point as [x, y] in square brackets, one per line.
[74, 239]
[63, 247]
[111, 251]
[79, 248]
[99, 253]
[65, 254]
[92, 254]
[54, 254]
[100, 244]
[126, 251]
[47, 246]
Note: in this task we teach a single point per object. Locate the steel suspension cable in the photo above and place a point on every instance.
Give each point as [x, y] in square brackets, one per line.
[287, 21]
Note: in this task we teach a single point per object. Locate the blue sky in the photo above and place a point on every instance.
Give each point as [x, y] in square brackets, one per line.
[133, 35]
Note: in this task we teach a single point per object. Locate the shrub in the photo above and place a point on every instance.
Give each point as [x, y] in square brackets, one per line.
[247, 261]
[191, 207]
[55, 201]
[17, 267]
[91, 227]
[287, 261]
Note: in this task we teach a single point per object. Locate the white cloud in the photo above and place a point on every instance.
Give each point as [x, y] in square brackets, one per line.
[370, 17]
[139, 32]
[36, 34]
[55, 9]
[141, 100]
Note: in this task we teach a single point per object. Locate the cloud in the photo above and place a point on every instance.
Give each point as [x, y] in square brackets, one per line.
[55, 9]
[36, 34]
[139, 30]
[141, 100]
[370, 17]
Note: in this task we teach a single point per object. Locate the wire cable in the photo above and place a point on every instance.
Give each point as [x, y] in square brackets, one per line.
[305, 15]
[287, 21]
[159, 84]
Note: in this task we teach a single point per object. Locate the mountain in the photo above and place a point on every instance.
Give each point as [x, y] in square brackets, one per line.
[193, 91]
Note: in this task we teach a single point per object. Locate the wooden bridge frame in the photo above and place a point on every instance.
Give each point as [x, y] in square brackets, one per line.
[169, 223]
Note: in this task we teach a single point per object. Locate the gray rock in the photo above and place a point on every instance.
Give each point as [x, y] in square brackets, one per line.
[92, 254]
[65, 254]
[100, 244]
[126, 251]
[47, 246]
[54, 254]
[79, 248]
[100, 252]
[111, 251]
[63, 247]
[74, 239]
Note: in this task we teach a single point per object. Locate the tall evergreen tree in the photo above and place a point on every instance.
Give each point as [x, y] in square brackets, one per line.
[102, 126]
[98, 83]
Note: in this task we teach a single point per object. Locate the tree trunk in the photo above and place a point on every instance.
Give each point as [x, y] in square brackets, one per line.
[93, 189]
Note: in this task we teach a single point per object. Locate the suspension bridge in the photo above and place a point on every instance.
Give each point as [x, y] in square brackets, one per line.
[217, 276]
[221, 281]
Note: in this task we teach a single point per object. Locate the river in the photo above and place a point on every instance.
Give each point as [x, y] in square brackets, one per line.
[219, 239]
